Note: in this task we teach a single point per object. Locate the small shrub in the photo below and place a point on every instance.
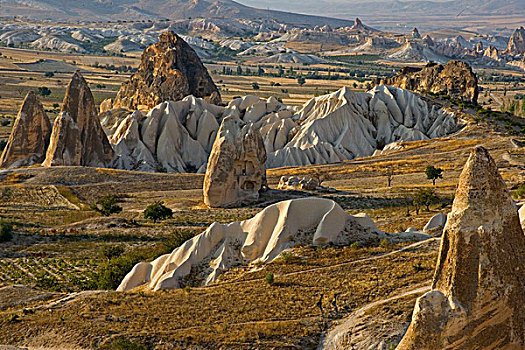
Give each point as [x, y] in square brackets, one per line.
[6, 122]
[44, 91]
[157, 211]
[113, 271]
[6, 231]
[269, 278]
[187, 289]
[48, 282]
[520, 192]
[355, 246]
[287, 257]
[384, 243]
[417, 267]
[3, 144]
[13, 318]
[111, 251]
[122, 343]
[49, 74]
[107, 205]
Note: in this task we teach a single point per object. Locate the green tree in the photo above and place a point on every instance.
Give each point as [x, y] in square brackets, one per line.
[157, 211]
[424, 197]
[6, 231]
[49, 74]
[44, 91]
[301, 80]
[255, 86]
[107, 205]
[239, 70]
[433, 173]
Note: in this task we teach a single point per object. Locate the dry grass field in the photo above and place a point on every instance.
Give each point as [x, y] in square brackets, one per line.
[54, 273]
[241, 310]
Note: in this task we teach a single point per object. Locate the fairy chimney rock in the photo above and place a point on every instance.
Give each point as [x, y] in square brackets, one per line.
[478, 290]
[29, 137]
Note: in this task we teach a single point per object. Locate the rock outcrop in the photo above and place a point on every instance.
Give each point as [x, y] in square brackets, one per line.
[297, 183]
[258, 240]
[478, 291]
[29, 137]
[415, 34]
[327, 129]
[236, 171]
[169, 71]
[455, 79]
[516, 45]
[78, 137]
[435, 225]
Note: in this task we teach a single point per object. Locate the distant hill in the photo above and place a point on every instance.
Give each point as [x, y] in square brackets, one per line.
[381, 7]
[95, 10]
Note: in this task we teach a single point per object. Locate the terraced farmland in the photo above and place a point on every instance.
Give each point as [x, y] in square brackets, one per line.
[49, 273]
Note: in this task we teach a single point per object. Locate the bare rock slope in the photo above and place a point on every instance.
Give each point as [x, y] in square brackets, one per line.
[169, 71]
[178, 136]
[478, 291]
[236, 169]
[29, 137]
[257, 240]
[78, 137]
[455, 78]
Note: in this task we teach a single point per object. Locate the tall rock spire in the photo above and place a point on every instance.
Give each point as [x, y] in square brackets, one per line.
[78, 137]
[29, 137]
[478, 291]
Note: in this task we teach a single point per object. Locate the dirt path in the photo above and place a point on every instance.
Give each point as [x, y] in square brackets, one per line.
[331, 340]
[498, 101]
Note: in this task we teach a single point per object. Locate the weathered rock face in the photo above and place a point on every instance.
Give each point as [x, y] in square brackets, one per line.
[79, 113]
[236, 171]
[29, 137]
[415, 34]
[455, 79]
[169, 71]
[327, 129]
[65, 148]
[479, 283]
[297, 183]
[516, 45]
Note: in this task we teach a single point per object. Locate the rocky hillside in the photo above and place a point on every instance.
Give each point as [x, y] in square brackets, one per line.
[152, 9]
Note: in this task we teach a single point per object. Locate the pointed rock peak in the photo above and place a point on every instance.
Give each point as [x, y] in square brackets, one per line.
[415, 34]
[79, 100]
[29, 137]
[478, 287]
[169, 71]
[358, 23]
[479, 181]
